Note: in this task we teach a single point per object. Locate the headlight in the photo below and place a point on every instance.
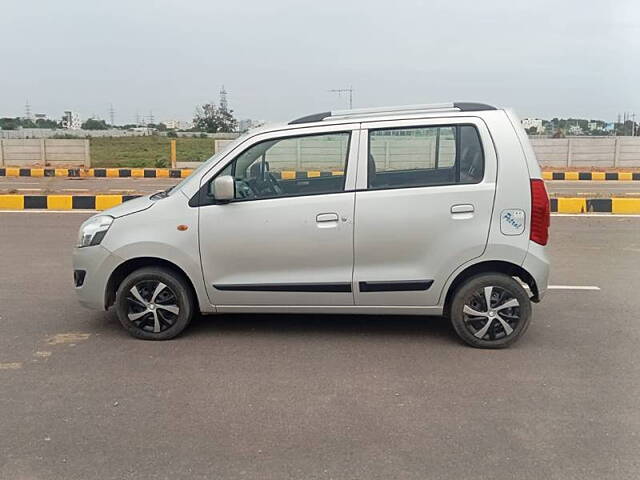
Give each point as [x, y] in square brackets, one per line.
[93, 230]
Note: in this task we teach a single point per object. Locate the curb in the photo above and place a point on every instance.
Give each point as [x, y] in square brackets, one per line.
[550, 175]
[285, 175]
[96, 172]
[140, 173]
[103, 202]
[62, 202]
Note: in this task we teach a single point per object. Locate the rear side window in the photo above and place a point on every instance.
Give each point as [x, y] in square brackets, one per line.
[425, 156]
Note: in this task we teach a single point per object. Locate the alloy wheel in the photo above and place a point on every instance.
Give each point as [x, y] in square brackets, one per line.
[152, 306]
[491, 313]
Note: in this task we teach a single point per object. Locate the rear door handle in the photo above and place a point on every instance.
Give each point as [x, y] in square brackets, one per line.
[463, 208]
[326, 217]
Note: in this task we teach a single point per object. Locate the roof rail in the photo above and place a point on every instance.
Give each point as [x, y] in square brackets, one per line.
[407, 109]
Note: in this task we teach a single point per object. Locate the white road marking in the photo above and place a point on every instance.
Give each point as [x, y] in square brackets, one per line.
[573, 287]
[75, 189]
[21, 183]
[30, 189]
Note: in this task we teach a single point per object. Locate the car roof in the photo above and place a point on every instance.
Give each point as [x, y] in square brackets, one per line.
[400, 112]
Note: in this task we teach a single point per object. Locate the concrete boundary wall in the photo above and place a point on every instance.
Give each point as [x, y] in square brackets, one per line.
[44, 152]
[593, 152]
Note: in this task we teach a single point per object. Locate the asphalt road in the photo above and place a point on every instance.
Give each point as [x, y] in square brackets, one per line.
[43, 185]
[320, 397]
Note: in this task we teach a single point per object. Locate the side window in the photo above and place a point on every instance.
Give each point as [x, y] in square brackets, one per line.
[424, 156]
[292, 166]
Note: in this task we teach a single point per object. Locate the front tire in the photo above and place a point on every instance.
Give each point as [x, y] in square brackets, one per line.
[154, 303]
[490, 310]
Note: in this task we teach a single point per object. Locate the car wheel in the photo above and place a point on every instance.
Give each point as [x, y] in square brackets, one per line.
[154, 303]
[490, 311]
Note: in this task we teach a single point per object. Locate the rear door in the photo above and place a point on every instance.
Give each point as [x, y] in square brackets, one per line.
[424, 201]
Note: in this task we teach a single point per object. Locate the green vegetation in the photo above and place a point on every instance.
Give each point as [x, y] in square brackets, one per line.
[138, 152]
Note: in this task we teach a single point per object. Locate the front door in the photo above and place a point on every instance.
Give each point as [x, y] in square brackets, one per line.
[422, 209]
[286, 239]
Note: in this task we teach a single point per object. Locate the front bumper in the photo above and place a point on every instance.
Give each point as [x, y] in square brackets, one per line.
[98, 264]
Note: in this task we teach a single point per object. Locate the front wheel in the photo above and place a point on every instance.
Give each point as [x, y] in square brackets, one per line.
[490, 310]
[154, 303]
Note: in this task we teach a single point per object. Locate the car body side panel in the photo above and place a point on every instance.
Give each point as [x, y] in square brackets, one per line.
[154, 233]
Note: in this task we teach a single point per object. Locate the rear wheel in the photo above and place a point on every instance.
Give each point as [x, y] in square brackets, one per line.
[490, 310]
[154, 304]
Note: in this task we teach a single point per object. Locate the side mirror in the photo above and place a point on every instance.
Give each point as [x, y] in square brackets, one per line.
[224, 188]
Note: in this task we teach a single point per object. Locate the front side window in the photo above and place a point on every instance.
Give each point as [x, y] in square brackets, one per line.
[424, 156]
[292, 166]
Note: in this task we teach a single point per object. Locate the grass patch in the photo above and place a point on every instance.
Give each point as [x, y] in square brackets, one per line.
[150, 152]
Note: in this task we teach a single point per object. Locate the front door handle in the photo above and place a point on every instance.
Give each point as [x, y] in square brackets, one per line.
[326, 217]
[463, 208]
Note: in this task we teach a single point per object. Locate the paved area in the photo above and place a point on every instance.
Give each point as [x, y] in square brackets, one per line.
[43, 185]
[319, 397]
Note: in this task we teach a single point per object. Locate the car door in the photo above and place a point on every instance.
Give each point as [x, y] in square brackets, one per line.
[285, 239]
[423, 206]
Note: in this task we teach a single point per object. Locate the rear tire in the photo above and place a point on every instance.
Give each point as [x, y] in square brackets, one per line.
[490, 310]
[154, 303]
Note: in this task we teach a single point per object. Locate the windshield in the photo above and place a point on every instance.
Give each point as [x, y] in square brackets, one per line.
[207, 164]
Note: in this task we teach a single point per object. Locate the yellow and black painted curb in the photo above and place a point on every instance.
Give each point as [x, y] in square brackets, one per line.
[285, 175]
[550, 175]
[102, 202]
[140, 173]
[96, 172]
[595, 205]
[62, 202]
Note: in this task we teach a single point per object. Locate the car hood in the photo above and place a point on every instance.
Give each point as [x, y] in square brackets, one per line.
[130, 206]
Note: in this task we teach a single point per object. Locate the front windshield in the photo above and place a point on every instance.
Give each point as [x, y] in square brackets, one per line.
[207, 163]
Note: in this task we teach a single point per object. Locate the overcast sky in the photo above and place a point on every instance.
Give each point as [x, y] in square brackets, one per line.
[278, 58]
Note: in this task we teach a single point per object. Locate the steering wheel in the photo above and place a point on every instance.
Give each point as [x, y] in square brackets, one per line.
[273, 184]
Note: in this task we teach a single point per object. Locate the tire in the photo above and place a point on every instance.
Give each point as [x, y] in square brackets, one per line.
[498, 326]
[154, 303]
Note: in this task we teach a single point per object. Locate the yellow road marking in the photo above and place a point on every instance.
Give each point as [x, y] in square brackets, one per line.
[10, 366]
[71, 337]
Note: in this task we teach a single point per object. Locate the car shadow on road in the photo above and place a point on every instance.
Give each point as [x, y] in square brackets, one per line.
[304, 324]
[310, 324]
[435, 328]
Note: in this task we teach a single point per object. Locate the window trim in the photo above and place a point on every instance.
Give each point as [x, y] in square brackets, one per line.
[455, 125]
[201, 197]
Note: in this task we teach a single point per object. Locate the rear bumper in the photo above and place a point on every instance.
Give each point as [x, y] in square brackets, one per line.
[97, 263]
[537, 264]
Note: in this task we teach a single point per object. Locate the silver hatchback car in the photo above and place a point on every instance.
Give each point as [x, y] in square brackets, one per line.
[417, 210]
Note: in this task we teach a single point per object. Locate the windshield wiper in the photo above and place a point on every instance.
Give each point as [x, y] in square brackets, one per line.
[162, 194]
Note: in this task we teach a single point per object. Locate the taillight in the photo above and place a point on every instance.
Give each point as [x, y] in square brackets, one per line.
[540, 215]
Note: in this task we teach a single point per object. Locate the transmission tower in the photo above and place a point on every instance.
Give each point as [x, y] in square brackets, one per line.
[27, 110]
[223, 99]
[340, 91]
[112, 115]
[150, 119]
